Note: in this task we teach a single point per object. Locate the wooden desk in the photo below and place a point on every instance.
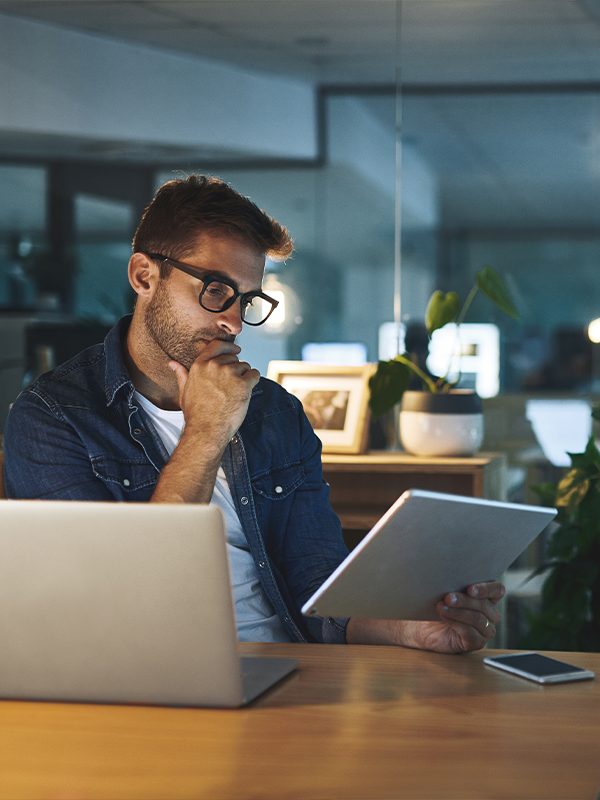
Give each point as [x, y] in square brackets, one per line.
[364, 487]
[352, 722]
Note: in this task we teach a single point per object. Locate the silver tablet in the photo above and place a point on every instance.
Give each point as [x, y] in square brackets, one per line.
[426, 545]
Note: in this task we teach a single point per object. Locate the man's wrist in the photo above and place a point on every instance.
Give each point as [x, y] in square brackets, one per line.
[403, 633]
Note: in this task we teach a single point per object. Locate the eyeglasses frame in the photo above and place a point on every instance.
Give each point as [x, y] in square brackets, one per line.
[207, 279]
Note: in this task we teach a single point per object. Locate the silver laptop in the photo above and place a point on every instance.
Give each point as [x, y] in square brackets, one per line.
[121, 603]
[426, 545]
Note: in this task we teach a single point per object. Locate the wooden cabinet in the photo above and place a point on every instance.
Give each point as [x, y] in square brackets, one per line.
[363, 487]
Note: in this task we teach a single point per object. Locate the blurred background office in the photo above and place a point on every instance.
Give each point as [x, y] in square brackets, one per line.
[406, 145]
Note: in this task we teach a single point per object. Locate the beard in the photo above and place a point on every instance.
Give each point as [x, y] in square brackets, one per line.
[177, 343]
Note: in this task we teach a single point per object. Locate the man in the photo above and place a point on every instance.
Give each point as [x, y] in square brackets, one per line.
[164, 411]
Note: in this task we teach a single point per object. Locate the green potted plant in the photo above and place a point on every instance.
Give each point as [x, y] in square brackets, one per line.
[439, 420]
[570, 612]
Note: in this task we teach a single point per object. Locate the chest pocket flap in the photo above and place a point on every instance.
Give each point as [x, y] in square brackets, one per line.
[130, 475]
[279, 482]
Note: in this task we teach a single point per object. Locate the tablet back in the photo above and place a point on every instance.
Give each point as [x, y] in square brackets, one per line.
[425, 545]
[120, 602]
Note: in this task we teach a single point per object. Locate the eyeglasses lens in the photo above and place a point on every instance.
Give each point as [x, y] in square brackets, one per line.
[256, 310]
[217, 295]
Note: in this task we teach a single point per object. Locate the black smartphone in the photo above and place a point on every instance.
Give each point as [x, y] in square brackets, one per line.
[536, 667]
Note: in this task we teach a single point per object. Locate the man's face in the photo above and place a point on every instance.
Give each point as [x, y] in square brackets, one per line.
[174, 317]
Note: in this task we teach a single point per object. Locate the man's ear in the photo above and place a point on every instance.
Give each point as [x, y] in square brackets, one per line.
[144, 275]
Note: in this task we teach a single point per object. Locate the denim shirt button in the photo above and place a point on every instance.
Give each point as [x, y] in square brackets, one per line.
[234, 440]
[244, 501]
[126, 482]
[262, 564]
[279, 489]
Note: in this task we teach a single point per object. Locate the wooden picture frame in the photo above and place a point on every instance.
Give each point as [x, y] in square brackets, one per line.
[335, 399]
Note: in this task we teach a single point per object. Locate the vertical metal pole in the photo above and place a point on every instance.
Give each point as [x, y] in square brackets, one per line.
[398, 182]
[60, 216]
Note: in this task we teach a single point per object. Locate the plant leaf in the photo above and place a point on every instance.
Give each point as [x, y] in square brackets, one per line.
[582, 462]
[441, 309]
[387, 385]
[572, 489]
[491, 284]
[563, 543]
[587, 518]
[546, 492]
[589, 459]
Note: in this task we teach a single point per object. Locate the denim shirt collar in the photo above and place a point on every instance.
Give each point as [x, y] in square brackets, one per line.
[116, 376]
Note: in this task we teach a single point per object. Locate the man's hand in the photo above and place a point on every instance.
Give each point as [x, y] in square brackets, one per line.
[468, 621]
[214, 396]
[215, 393]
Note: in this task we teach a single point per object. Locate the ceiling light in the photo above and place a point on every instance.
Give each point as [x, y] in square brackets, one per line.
[594, 331]
[287, 314]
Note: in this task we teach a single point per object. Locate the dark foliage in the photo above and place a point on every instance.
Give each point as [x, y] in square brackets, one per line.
[570, 615]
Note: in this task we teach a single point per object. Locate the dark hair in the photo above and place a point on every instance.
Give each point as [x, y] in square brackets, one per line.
[184, 209]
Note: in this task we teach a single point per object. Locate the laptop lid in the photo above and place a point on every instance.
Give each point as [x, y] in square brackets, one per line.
[426, 545]
[120, 602]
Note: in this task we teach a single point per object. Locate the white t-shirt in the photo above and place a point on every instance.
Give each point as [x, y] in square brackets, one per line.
[255, 616]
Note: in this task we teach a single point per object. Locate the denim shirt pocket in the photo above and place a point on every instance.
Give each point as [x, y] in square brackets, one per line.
[279, 482]
[128, 476]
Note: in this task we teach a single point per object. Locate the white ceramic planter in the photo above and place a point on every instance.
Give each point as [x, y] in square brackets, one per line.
[441, 424]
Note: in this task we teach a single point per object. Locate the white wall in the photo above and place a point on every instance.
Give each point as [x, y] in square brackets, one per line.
[358, 139]
[61, 82]
[361, 140]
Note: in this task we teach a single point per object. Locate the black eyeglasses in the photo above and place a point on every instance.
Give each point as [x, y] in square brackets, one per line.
[218, 295]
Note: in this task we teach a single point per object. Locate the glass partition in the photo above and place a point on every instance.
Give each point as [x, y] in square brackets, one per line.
[498, 166]
[22, 226]
[103, 246]
[516, 176]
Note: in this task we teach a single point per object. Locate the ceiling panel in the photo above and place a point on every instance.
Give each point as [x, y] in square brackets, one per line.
[354, 41]
[443, 40]
[520, 144]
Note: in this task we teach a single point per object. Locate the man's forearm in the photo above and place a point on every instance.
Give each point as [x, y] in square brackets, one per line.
[467, 622]
[382, 631]
[190, 474]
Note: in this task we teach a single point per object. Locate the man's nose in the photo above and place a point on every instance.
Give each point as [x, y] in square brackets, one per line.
[231, 319]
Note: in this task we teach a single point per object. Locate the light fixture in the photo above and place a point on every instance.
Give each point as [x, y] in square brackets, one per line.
[287, 314]
[594, 331]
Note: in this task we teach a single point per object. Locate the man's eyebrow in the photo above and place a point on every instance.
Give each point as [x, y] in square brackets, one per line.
[214, 273]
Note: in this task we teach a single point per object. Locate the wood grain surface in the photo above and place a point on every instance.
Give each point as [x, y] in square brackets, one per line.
[352, 722]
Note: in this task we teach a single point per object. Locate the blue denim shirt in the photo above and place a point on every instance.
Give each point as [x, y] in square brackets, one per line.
[76, 434]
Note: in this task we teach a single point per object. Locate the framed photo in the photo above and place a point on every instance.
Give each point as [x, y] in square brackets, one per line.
[335, 400]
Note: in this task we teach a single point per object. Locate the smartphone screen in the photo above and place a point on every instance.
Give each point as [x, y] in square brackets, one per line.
[537, 667]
